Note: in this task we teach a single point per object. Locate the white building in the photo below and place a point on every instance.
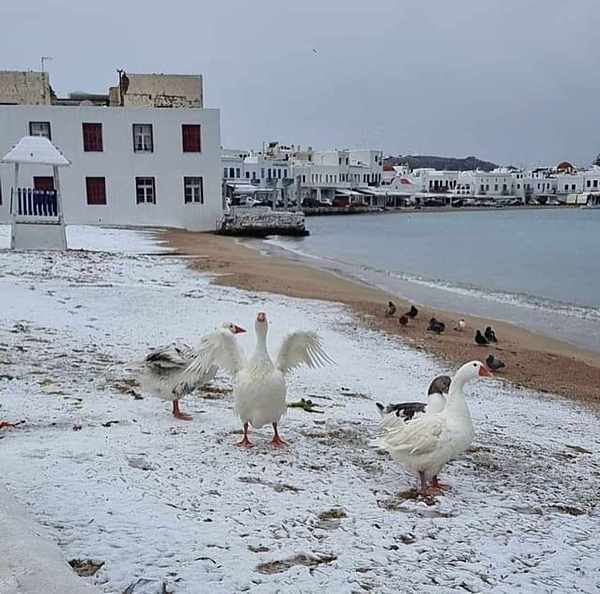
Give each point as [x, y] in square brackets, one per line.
[291, 174]
[130, 166]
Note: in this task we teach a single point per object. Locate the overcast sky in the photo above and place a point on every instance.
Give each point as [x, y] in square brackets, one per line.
[513, 81]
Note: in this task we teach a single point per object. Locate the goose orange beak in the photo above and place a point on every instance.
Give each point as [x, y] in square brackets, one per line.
[238, 330]
[485, 372]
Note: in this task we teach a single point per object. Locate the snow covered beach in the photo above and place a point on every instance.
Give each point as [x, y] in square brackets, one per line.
[172, 506]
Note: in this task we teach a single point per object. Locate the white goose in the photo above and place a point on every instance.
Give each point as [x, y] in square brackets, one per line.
[166, 372]
[260, 387]
[426, 443]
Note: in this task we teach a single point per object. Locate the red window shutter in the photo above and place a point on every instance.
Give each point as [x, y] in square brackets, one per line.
[96, 190]
[92, 137]
[191, 134]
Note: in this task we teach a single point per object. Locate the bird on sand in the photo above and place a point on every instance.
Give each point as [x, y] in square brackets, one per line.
[260, 385]
[480, 339]
[391, 310]
[490, 334]
[166, 370]
[413, 312]
[426, 443]
[436, 326]
[494, 363]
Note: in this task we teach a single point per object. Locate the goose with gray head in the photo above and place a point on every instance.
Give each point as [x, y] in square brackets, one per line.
[166, 371]
[260, 386]
[425, 444]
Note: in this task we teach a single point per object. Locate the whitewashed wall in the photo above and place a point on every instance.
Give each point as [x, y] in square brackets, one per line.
[120, 165]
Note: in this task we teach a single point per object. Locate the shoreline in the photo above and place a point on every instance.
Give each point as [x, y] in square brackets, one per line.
[533, 361]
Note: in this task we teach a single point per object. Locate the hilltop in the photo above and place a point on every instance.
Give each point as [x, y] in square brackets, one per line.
[446, 163]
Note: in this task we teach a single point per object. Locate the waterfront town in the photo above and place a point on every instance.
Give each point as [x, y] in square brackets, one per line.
[148, 153]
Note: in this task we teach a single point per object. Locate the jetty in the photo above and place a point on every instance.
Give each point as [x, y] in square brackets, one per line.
[261, 221]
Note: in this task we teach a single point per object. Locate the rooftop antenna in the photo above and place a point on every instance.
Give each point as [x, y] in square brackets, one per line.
[43, 61]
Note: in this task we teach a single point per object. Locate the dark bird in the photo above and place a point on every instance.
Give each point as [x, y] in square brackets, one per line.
[391, 310]
[413, 312]
[436, 326]
[493, 363]
[490, 334]
[403, 320]
[437, 400]
[480, 339]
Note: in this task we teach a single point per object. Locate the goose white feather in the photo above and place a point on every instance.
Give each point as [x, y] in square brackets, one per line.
[260, 387]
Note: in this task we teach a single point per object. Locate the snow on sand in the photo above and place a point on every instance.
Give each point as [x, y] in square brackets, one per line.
[163, 503]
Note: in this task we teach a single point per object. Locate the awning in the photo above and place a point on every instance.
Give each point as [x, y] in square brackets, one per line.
[36, 150]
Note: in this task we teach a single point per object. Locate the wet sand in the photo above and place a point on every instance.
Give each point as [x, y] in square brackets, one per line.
[533, 361]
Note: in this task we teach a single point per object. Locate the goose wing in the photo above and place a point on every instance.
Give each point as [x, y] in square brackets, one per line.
[170, 357]
[301, 348]
[217, 349]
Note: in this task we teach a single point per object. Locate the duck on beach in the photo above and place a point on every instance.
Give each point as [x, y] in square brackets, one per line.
[480, 339]
[426, 443]
[412, 312]
[166, 370]
[260, 387]
[494, 363]
[436, 326]
[490, 335]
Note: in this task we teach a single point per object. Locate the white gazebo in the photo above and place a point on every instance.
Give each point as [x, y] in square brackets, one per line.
[36, 213]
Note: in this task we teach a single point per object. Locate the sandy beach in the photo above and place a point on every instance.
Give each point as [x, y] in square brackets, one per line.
[537, 362]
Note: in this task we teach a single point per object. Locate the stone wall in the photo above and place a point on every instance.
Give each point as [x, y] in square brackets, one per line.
[160, 90]
[25, 88]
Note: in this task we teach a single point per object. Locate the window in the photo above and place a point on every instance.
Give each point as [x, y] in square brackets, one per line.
[96, 190]
[142, 138]
[190, 134]
[193, 190]
[92, 137]
[40, 129]
[145, 190]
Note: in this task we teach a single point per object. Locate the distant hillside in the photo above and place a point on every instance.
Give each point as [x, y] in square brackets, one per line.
[448, 163]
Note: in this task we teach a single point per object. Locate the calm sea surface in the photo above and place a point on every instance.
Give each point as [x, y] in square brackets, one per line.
[538, 268]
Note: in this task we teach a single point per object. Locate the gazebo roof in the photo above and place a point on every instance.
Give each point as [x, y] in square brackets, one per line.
[36, 150]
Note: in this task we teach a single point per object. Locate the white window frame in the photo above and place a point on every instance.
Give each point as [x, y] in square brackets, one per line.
[143, 138]
[193, 187]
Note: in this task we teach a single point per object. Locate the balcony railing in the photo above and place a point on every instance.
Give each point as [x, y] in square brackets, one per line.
[30, 202]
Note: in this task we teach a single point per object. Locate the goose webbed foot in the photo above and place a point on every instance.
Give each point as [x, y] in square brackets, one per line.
[436, 484]
[245, 442]
[277, 442]
[178, 414]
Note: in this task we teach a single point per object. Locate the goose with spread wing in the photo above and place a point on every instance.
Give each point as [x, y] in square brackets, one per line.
[260, 386]
[427, 442]
[166, 372]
